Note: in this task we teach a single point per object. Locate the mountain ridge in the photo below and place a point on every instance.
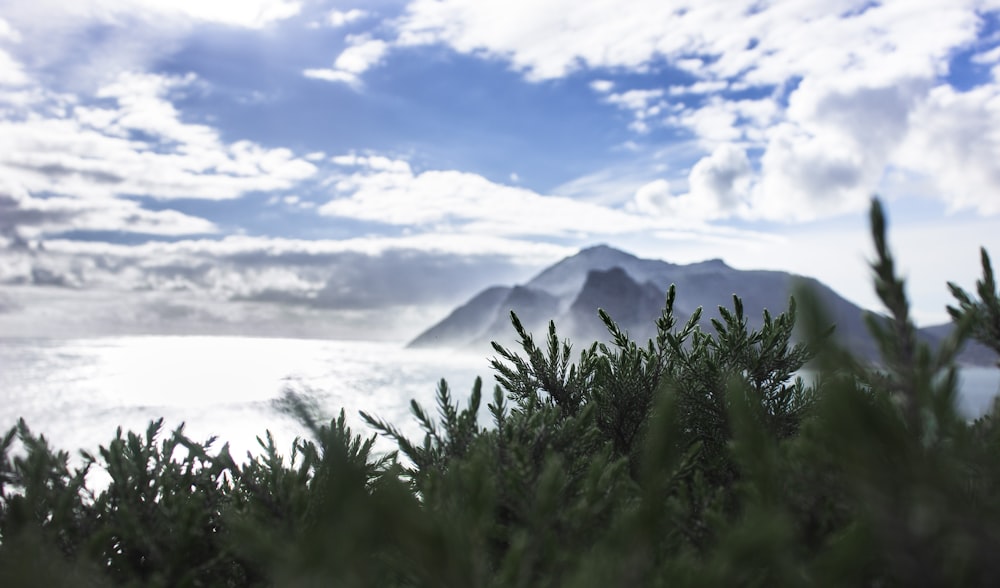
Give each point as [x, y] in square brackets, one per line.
[632, 290]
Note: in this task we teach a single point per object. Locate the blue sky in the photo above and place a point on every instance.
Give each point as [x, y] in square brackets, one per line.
[355, 169]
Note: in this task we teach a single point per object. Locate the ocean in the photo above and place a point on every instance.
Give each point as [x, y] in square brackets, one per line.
[78, 391]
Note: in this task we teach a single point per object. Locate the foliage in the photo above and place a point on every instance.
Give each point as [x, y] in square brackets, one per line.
[983, 314]
[698, 458]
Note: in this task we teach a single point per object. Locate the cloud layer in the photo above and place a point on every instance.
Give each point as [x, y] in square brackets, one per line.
[384, 288]
[378, 189]
[843, 92]
[68, 165]
[723, 117]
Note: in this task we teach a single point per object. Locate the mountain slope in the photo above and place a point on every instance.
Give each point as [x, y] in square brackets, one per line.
[466, 322]
[634, 306]
[533, 306]
[974, 352]
[632, 290]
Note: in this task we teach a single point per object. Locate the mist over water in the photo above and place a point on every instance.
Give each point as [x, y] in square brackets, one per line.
[979, 386]
[78, 391]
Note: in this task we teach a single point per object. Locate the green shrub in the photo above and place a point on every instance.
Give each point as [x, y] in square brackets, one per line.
[698, 458]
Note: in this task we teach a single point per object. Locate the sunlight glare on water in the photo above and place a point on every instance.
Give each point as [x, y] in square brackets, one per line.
[77, 392]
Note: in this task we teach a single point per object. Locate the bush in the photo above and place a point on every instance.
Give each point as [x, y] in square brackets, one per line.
[696, 458]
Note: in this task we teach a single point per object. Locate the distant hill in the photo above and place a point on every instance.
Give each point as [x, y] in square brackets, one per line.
[632, 290]
[975, 353]
[465, 321]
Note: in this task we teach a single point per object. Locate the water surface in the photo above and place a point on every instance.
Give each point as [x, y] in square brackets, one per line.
[78, 391]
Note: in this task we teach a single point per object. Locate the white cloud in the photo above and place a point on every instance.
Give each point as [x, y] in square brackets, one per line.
[300, 287]
[134, 35]
[378, 163]
[362, 53]
[644, 105]
[652, 198]
[143, 107]
[140, 146]
[616, 184]
[719, 186]
[742, 40]
[858, 79]
[832, 151]
[543, 39]
[453, 205]
[245, 13]
[717, 120]
[987, 57]
[381, 287]
[608, 186]
[721, 179]
[339, 18]
[638, 100]
[711, 123]
[11, 71]
[954, 137]
[240, 13]
[703, 87]
[30, 217]
[388, 192]
[238, 247]
[333, 75]
[805, 176]
[602, 86]
[8, 33]
[86, 158]
[66, 313]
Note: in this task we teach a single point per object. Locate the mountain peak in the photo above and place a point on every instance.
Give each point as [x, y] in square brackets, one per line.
[632, 305]
[714, 263]
[602, 251]
[599, 248]
[566, 277]
[632, 291]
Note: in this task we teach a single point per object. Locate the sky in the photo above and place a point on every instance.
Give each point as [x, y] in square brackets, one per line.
[356, 169]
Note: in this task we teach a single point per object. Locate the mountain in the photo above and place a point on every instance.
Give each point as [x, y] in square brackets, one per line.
[974, 353]
[636, 306]
[465, 322]
[633, 290]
